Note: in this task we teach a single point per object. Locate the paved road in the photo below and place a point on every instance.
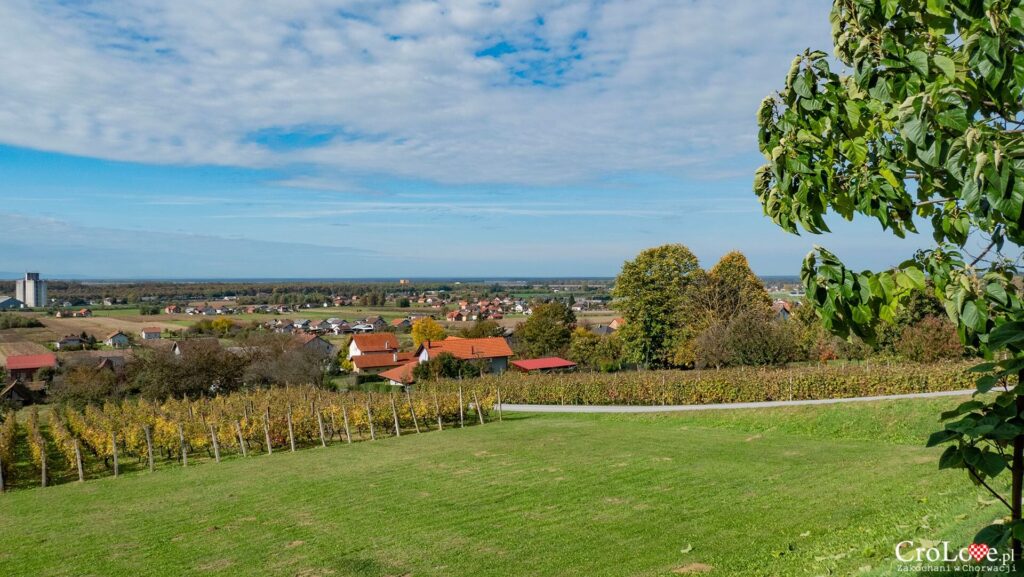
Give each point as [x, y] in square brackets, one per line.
[717, 406]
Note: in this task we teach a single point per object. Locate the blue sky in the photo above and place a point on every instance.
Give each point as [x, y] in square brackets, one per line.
[393, 139]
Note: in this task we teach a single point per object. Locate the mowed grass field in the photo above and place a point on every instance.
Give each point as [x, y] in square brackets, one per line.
[796, 491]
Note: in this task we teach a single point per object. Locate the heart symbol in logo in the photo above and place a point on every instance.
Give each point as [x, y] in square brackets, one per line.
[978, 550]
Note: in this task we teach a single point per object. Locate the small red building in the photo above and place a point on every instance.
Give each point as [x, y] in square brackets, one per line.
[543, 365]
[24, 367]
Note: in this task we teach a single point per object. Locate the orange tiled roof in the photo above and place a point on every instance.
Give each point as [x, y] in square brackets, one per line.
[377, 342]
[380, 360]
[466, 349]
[402, 374]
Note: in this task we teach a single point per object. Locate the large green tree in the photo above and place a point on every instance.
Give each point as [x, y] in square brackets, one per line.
[922, 124]
[727, 290]
[650, 294]
[547, 331]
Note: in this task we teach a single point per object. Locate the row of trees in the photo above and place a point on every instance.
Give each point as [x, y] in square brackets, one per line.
[680, 315]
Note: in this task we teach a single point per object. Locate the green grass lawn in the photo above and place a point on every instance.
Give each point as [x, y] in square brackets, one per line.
[798, 491]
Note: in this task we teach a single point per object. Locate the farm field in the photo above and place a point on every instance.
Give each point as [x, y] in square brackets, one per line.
[793, 491]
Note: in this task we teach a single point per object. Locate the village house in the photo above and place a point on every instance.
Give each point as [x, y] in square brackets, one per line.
[172, 309]
[401, 376]
[24, 367]
[10, 303]
[317, 344]
[69, 342]
[782, 309]
[401, 324]
[375, 363]
[150, 333]
[377, 322]
[117, 340]
[617, 323]
[372, 343]
[494, 351]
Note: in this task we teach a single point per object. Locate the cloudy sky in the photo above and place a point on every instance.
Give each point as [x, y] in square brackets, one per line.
[317, 138]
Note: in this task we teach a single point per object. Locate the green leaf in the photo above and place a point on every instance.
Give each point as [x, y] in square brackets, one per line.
[916, 276]
[937, 7]
[918, 61]
[889, 177]
[945, 64]
[855, 150]
[889, 7]
[993, 535]
[1006, 334]
[953, 119]
[986, 383]
[982, 368]
[914, 131]
[802, 85]
[951, 458]
[943, 436]
[996, 292]
[971, 316]
[991, 463]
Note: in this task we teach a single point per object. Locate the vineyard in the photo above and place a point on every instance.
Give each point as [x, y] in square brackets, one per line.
[66, 444]
[731, 385]
[71, 444]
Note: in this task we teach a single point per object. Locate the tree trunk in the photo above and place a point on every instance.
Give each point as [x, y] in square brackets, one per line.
[78, 462]
[462, 418]
[184, 451]
[266, 435]
[149, 446]
[291, 431]
[369, 419]
[498, 392]
[42, 464]
[241, 439]
[216, 445]
[320, 423]
[344, 415]
[412, 410]
[113, 444]
[479, 409]
[1017, 476]
[394, 413]
[437, 409]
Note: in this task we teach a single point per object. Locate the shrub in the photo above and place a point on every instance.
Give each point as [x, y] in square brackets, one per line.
[932, 339]
[12, 321]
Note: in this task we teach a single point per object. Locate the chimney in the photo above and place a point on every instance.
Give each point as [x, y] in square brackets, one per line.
[394, 356]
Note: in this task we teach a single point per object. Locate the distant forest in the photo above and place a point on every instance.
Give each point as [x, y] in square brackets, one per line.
[283, 292]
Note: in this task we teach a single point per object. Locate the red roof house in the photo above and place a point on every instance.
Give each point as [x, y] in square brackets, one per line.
[376, 362]
[494, 350]
[402, 375]
[24, 367]
[373, 343]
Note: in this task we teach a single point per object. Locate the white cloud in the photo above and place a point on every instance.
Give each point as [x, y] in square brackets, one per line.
[652, 85]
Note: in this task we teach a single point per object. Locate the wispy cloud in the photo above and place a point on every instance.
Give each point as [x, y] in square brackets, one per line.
[454, 91]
